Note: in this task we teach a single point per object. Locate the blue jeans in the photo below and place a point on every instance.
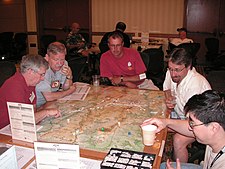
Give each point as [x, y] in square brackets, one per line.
[183, 166]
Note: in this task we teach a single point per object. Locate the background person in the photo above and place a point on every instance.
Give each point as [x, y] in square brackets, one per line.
[183, 81]
[75, 42]
[124, 66]
[20, 88]
[120, 27]
[182, 37]
[206, 123]
[57, 81]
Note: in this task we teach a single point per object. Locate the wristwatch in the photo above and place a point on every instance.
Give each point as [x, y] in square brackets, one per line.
[121, 78]
[69, 77]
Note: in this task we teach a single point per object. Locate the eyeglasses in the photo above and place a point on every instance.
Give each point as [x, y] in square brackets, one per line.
[176, 70]
[115, 46]
[192, 124]
[41, 74]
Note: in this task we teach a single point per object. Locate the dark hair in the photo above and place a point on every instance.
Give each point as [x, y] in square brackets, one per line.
[181, 29]
[207, 107]
[121, 26]
[180, 56]
[115, 34]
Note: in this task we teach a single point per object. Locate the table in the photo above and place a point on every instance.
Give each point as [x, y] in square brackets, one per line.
[108, 117]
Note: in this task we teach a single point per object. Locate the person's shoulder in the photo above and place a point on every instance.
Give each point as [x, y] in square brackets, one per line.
[106, 54]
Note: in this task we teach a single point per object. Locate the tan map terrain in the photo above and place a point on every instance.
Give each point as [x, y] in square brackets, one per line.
[108, 117]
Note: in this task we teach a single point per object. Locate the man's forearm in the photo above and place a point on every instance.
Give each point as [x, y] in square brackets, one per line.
[51, 96]
[180, 126]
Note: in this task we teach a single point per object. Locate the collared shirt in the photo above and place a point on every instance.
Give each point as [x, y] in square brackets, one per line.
[52, 83]
[193, 83]
[15, 89]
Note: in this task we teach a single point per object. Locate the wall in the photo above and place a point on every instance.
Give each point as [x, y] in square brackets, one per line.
[152, 16]
[13, 16]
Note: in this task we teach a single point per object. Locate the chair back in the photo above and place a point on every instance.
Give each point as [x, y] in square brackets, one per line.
[45, 41]
[154, 65]
[7, 69]
[6, 43]
[192, 48]
[77, 65]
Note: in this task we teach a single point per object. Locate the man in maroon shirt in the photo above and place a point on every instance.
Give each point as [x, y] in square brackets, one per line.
[20, 88]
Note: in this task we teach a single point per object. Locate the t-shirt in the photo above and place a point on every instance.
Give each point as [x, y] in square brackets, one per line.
[209, 156]
[129, 64]
[15, 89]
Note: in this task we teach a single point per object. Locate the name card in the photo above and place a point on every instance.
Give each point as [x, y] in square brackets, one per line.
[22, 121]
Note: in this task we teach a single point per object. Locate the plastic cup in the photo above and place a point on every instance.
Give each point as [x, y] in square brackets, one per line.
[96, 80]
[148, 134]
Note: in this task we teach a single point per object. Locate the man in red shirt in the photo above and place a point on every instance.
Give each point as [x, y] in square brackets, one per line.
[21, 88]
[124, 66]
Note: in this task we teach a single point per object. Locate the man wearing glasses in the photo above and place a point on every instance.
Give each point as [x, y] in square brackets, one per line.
[57, 81]
[20, 88]
[181, 83]
[124, 66]
[206, 123]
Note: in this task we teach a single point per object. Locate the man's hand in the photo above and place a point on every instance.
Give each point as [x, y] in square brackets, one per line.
[67, 71]
[168, 164]
[160, 123]
[53, 112]
[116, 80]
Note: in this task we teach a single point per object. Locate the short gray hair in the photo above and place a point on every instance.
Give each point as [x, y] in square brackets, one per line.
[56, 47]
[32, 61]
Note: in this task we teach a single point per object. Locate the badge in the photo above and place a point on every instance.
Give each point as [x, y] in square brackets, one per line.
[55, 84]
[32, 96]
[129, 65]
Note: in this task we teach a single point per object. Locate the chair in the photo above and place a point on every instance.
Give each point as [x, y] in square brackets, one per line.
[6, 44]
[212, 45]
[215, 57]
[154, 62]
[20, 45]
[78, 65]
[45, 41]
[197, 152]
[7, 69]
[193, 49]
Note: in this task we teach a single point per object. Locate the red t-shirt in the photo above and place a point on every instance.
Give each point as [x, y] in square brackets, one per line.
[15, 89]
[129, 64]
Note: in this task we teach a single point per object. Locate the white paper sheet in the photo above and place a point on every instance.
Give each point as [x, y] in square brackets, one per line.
[8, 158]
[85, 163]
[81, 92]
[52, 155]
[23, 155]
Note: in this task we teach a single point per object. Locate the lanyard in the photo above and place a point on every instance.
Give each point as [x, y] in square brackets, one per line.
[217, 156]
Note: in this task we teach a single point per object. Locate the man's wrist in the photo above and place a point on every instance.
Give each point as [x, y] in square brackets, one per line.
[121, 78]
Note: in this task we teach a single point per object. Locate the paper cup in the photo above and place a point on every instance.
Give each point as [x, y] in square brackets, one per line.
[148, 134]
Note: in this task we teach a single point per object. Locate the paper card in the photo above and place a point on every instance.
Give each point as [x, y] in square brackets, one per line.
[52, 155]
[22, 121]
[8, 157]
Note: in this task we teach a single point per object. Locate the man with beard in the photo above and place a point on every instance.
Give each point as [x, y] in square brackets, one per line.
[181, 83]
[57, 82]
[124, 66]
